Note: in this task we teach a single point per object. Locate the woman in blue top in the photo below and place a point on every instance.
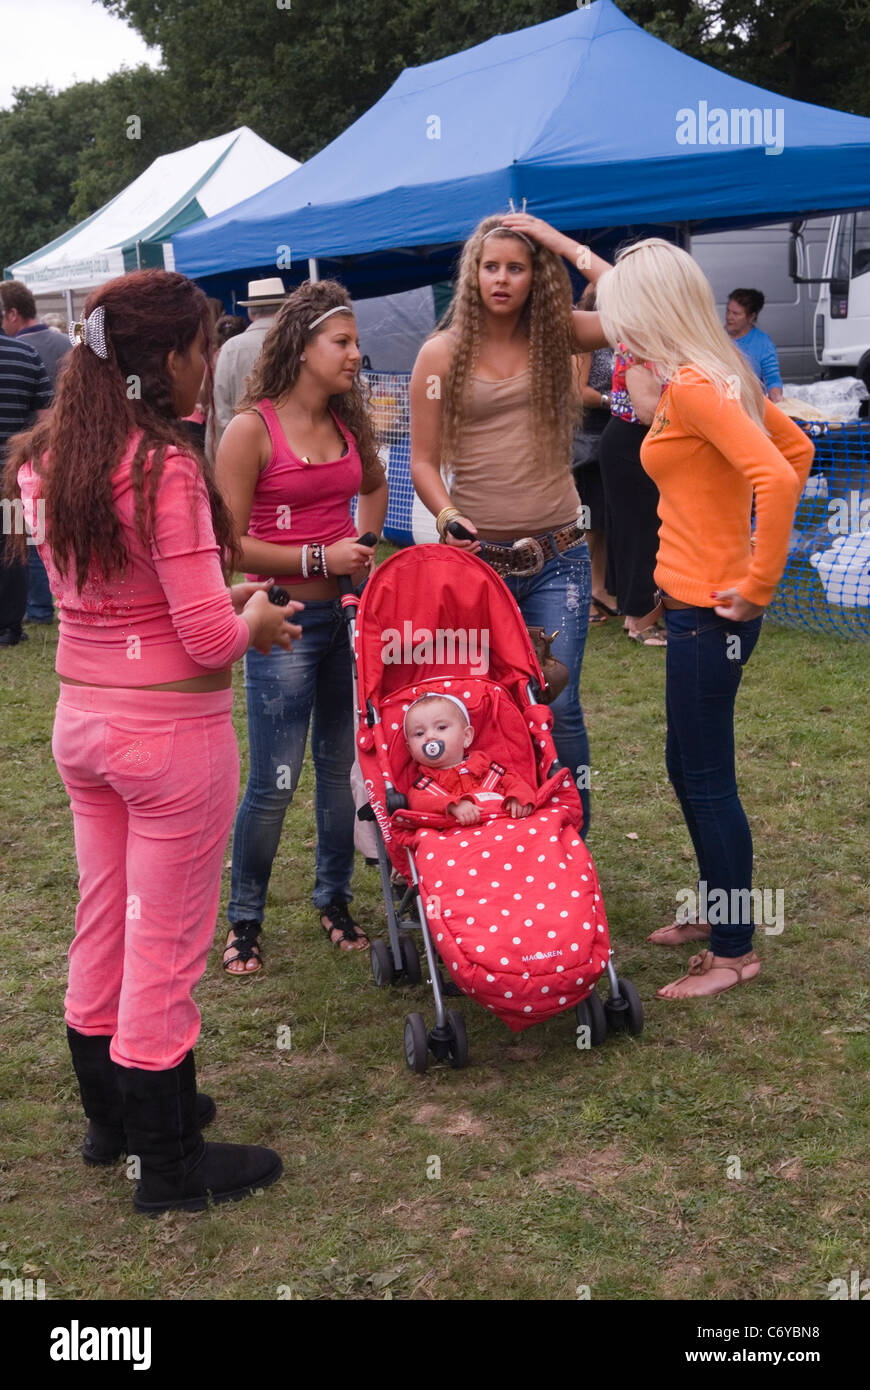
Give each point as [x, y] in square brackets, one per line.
[743, 309]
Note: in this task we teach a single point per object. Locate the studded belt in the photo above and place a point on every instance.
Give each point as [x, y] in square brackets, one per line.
[529, 555]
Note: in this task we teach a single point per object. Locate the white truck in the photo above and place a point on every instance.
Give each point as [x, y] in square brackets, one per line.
[841, 330]
[815, 276]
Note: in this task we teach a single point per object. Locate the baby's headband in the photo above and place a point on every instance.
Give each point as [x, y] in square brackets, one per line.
[435, 695]
[91, 332]
[339, 309]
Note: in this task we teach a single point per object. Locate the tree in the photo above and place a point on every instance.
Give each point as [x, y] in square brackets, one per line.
[64, 154]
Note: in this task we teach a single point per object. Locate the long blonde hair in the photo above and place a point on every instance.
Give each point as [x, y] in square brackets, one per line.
[547, 320]
[659, 303]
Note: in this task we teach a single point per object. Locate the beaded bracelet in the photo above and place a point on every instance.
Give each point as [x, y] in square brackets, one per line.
[323, 561]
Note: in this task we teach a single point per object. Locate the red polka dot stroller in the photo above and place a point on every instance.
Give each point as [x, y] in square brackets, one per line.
[512, 906]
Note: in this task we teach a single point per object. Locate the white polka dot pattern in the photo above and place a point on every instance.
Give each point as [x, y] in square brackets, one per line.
[520, 977]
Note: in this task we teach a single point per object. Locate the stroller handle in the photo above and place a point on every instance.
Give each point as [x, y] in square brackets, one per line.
[344, 583]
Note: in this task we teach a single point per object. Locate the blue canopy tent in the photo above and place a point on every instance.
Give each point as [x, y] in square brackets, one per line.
[600, 126]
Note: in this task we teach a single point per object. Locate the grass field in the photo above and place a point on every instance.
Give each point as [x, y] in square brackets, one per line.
[615, 1171]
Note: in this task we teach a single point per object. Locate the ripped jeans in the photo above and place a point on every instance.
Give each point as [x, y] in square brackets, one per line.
[559, 598]
[285, 691]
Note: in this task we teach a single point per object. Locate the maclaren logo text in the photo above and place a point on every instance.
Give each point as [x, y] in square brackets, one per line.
[446, 646]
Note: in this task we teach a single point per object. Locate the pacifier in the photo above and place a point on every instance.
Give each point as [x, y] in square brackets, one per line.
[434, 748]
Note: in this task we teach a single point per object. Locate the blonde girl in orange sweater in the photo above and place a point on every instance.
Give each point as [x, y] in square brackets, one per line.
[714, 446]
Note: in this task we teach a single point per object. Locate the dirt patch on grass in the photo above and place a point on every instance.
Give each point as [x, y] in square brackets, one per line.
[454, 1122]
[585, 1171]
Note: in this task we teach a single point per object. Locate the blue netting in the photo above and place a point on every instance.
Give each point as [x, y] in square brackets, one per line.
[826, 584]
[407, 520]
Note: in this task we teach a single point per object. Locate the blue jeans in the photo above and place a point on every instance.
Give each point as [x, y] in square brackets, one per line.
[559, 598]
[286, 690]
[705, 659]
[40, 607]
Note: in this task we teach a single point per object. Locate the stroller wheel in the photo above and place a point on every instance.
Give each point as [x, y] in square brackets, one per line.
[591, 1015]
[627, 1014]
[416, 1043]
[410, 960]
[457, 1048]
[383, 970]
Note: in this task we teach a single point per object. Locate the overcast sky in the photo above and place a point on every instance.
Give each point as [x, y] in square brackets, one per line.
[63, 41]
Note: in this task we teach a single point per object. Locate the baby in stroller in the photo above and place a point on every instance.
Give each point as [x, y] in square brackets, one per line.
[438, 733]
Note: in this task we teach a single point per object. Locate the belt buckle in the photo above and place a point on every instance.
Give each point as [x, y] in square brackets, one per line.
[534, 547]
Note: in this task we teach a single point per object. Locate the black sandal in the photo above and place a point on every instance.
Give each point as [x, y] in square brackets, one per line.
[605, 608]
[341, 920]
[246, 945]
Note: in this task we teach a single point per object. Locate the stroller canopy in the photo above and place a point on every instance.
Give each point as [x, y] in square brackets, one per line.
[434, 611]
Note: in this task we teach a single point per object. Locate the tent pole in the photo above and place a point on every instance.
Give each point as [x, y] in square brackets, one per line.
[70, 313]
[313, 270]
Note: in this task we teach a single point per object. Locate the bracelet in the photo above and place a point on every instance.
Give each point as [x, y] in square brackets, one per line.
[583, 253]
[323, 561]
[314, 562]
[444, 517]
[305, 562]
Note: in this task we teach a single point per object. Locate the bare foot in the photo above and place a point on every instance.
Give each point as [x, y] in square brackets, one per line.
[678, 933]
[709, 974]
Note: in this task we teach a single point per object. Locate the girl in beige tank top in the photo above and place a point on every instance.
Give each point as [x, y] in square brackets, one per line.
[492, 403]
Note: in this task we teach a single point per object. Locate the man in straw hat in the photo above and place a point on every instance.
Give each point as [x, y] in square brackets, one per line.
[238, 355]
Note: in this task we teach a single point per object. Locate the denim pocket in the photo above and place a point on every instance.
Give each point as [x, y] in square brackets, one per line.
[136, 752]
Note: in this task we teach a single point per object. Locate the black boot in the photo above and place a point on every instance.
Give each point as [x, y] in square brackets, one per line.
[177, 1168]
[105, 1140]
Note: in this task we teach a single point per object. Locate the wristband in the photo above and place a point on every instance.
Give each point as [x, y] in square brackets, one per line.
[305, 562]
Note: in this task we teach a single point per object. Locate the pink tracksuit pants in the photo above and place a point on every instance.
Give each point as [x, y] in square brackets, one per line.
[153, 780]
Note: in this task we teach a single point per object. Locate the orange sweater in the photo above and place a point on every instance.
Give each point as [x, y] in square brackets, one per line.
[707, 458]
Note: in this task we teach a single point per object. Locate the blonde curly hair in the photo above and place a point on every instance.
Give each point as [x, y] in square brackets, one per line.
[276, 370]
[546, 318]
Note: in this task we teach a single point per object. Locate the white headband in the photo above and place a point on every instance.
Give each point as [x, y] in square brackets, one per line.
[509, 231]
[339, 309]
[91, 332]
[434, 695]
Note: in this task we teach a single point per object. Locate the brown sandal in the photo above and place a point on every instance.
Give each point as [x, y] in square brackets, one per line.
[701, 932]
[703, 963]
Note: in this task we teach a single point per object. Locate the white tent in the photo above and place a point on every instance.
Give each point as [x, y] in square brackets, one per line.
[134, 230]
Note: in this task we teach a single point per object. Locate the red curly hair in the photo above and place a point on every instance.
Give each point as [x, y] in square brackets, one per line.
[77, 444]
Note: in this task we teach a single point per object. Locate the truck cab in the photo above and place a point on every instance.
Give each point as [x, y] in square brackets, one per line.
[841, 328]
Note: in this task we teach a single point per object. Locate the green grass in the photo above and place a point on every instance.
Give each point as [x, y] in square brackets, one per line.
[558, 1168]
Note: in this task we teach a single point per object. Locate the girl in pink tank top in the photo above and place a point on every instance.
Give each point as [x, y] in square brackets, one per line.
[300, 448]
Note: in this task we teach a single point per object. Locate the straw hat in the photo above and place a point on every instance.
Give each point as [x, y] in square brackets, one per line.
[264, 292]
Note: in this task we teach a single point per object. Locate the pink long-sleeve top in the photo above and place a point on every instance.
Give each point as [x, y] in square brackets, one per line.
[169, 616]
